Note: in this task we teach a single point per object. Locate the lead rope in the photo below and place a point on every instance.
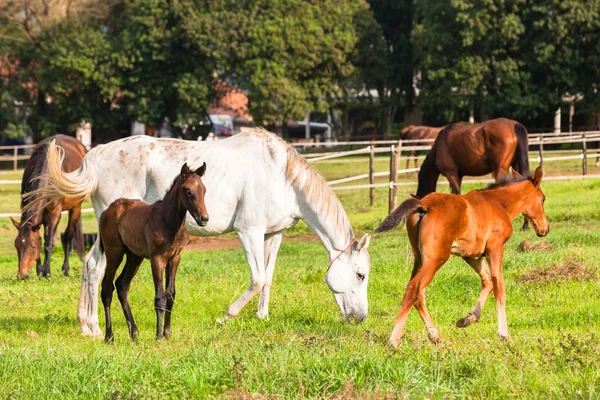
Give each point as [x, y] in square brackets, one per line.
[343, 251]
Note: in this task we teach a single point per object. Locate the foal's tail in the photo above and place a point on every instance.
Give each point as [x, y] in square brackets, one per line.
[74, 185]
[521, 160]
[401, 214]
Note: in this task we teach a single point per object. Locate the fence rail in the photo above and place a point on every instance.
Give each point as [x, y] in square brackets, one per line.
[395, 148]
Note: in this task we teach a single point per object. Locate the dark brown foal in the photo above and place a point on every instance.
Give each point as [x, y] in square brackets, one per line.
[475, 227]
[154, 231]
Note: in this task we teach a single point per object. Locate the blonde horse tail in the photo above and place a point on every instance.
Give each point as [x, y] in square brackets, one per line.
[401, 214]
[78, 184]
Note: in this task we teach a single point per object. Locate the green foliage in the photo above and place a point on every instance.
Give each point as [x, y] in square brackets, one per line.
[510, 58]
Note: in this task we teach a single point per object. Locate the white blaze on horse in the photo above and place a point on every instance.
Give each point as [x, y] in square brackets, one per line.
[256, 185]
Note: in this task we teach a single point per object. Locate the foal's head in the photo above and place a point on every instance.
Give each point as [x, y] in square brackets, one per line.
[192, 192]
[28, 244]
[534, 205]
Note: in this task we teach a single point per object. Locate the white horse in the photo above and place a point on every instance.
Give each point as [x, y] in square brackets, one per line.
[257, 185]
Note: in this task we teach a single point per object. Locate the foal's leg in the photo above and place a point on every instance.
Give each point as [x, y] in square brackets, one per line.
[52, 218]
[160, 297]
[253, 244]
[415, 286]
[480, 266]
[74, 215]
[170, 285]
[113, 261]
[272, 244]
[421, 304]
[495, 256]
[132, 266]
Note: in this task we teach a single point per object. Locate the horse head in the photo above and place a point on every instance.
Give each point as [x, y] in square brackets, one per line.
[348, 277]
[192, 192]
[534, 207]
[28, 244]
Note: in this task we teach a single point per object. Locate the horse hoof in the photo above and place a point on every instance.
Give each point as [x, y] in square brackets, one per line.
[394, 343]
[504, 338]
[109, 339]
[222, 321]
[464, 322]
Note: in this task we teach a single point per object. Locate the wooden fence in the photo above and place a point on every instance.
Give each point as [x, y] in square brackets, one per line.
[394, 148]
[15, 156]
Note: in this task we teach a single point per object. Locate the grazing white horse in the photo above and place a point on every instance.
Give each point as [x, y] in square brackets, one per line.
[256, 185]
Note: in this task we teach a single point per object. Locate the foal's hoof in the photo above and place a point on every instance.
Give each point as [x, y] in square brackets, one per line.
[466, 321]
[504, 338]
[223, 320]
[394, 343]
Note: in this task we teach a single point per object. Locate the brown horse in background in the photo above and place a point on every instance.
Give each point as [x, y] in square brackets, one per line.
[425, 133]
[48, 213]
[475, 227]
[489, 147]
[154, 231]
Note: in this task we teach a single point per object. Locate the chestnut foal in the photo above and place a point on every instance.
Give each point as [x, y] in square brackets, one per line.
[154, 231]
[475, 227]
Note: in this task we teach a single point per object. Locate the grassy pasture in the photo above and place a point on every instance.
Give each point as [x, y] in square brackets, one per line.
[304, 350]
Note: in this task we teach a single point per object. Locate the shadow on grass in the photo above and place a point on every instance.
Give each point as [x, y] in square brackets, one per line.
[33, 324]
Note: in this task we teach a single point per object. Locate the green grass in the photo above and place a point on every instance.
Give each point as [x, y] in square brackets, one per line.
[305, 350]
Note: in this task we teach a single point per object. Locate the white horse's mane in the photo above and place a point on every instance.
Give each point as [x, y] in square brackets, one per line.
[303, 178]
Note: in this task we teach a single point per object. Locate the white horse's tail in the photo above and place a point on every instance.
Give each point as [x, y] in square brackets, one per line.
[74, 185]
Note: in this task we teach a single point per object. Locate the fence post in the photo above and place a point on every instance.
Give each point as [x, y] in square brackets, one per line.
[541, 151]
[584, 155]
[394, 165]
[371, 172]
[391, 202]
[15, 152]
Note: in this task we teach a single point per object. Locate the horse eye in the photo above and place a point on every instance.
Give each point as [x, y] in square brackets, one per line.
[361, 277]
[543, 199]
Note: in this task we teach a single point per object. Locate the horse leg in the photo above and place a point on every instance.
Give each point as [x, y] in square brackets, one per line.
[113, 261]
[160, 297]
[412, 295]
[132, 266]
[480, 266]
[455, 181]
[494, 257]
[95, 272]
[253, 244]
[272, 244]
[408, 156]
[50, 224]
[170, 286]
[74, 215]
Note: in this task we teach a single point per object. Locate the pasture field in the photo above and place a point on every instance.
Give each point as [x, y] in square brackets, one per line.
[305, 350]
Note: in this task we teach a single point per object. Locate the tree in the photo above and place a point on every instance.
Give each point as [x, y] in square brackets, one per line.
[286, 55]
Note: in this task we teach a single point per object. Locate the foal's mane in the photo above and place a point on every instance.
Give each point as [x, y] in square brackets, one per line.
[506, 182]
[303, 178]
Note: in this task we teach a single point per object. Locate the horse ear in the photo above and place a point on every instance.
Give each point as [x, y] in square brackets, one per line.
[200, 171]
[364, 242]
[185, 170]
[15, 223]
[514, 173]
[537, 176]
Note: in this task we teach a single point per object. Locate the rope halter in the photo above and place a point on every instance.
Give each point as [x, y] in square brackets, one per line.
[342, 252]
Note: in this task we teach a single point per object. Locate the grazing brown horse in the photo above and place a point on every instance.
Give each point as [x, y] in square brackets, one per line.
[28, 242]
[154, 231]
[425, 133]
[489, 147]
[475, 227]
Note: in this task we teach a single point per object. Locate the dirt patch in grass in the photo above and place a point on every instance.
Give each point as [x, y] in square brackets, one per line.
[569, 270]
[540, 245]
[350, 392]
[227, 242]
[240, 393]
